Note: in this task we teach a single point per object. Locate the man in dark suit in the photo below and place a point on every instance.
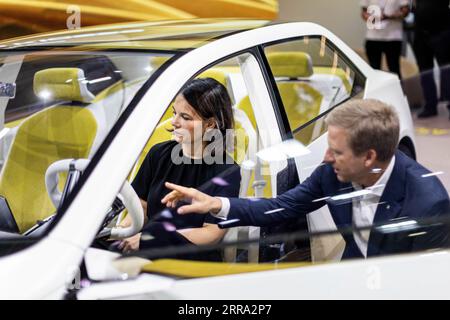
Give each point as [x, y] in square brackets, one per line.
[432, 41]
[364, 181]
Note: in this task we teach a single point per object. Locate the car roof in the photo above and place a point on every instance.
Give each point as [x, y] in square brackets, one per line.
[171, 35]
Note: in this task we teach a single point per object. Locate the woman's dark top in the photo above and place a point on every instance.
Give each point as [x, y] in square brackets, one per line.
[213, 179]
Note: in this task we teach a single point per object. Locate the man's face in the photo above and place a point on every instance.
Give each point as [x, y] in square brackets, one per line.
[347, 166]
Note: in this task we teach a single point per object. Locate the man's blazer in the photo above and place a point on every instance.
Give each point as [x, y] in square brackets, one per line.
[409, 193]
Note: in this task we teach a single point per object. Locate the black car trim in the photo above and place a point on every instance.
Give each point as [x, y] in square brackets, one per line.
[277, 102]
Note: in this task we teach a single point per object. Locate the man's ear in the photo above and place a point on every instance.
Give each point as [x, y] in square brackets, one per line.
[371, 157]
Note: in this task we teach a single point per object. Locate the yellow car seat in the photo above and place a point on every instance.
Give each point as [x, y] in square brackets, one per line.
[66, 130]
[302, 102]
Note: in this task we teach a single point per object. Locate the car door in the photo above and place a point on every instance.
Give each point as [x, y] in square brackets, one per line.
[312, 76]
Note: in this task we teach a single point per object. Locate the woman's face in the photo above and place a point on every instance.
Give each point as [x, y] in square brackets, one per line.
[187, 124]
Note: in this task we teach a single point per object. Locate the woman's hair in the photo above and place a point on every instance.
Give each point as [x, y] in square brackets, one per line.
[210, 100]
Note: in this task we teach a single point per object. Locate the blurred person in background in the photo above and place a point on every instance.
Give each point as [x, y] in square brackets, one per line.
[432, 41]
[384, 21]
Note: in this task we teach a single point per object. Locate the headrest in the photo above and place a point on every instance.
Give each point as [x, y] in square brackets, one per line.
[290, 64]
[221, 77]
[62, 84]
[218, 75]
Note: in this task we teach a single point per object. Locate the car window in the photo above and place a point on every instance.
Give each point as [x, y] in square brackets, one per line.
[64, 105]
[312, 77]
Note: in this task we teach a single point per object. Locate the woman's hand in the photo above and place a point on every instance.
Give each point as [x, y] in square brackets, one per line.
[200, 202]
[130, 244]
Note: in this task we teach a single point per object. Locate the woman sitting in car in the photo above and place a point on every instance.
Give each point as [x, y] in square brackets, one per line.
[202, 107]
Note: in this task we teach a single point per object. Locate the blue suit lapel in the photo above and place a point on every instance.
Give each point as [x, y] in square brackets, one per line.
[342, 210]
[391, 203]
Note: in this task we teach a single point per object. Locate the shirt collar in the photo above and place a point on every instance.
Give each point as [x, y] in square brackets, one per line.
[378, 188]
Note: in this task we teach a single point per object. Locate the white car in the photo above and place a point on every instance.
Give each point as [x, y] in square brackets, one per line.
[93, 101]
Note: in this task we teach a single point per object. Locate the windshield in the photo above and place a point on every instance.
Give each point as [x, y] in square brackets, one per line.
[57, 105]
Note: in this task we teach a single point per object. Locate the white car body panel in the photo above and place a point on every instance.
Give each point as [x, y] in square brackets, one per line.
[400, 277]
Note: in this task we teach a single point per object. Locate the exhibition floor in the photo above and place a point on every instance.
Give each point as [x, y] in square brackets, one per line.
[433, 144]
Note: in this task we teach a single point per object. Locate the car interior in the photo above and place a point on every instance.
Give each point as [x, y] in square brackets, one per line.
[65, 106]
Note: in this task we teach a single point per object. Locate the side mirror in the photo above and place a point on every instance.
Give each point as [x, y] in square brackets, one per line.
[7, 90]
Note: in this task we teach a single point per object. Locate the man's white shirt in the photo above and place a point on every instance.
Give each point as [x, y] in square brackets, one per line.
[364, 208]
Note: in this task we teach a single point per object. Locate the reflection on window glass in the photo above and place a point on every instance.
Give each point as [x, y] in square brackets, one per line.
[65, 105]
[311, 77]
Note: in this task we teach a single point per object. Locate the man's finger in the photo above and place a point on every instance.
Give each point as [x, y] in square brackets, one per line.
[171, 204]
[168, 197]
[183, 190]
[171, 196]
[189, 208]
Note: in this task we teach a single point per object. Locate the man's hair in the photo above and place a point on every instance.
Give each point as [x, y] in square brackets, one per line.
[371, 124]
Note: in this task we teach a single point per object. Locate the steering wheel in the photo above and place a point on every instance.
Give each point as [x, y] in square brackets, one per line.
[126, 195]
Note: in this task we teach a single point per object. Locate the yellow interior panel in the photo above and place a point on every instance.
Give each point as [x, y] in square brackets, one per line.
[200, 269]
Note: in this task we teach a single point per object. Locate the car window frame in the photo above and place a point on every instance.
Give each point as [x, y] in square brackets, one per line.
[359, 77]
